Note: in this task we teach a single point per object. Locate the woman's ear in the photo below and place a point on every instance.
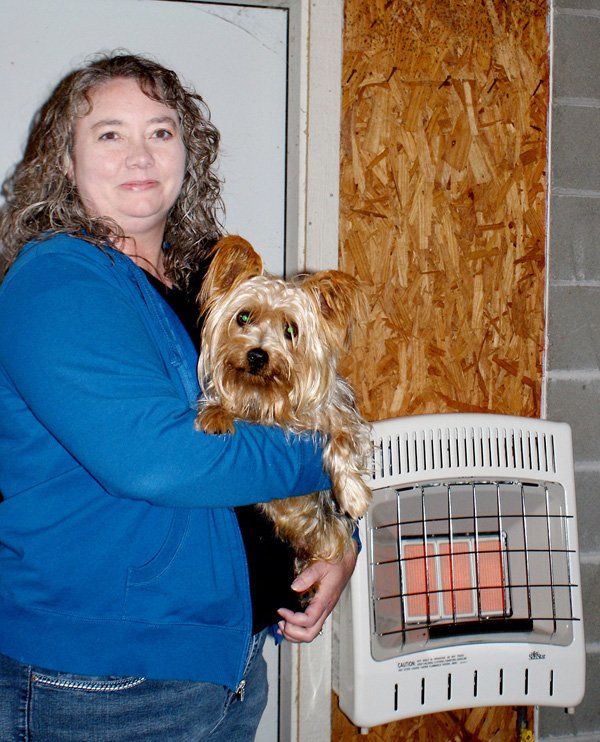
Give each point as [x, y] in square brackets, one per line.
[68, 164]
[69, 167]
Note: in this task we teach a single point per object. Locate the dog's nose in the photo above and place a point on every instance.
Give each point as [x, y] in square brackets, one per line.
[257, 359]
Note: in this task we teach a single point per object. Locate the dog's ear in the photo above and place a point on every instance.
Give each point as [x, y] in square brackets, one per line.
[342, 301]
[232, 260]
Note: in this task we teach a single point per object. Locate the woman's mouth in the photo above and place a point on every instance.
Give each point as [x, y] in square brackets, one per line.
[139, 185]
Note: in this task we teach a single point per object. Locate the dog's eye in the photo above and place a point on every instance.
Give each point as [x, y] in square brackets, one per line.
[291, 330]
[243, 319]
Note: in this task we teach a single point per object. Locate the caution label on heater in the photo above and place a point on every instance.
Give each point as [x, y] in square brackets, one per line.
[426, 663]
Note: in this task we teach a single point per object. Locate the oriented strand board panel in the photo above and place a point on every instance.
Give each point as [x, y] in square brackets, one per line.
[499, 724]
[443, 201]
[443, 195]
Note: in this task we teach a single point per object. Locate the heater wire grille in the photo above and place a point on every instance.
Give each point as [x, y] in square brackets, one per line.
[450, 560]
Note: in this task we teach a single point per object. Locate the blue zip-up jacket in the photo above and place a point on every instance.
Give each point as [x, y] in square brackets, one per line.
[119, 548]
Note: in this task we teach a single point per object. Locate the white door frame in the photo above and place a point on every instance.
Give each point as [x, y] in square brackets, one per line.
[314, 108]
[305, 670]
[316, 68]
[313, 225]
[314, 99]
[312, 234]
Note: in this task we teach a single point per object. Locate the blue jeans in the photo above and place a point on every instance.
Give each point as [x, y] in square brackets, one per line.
[38, 705]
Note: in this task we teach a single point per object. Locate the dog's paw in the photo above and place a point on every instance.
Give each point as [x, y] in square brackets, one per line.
[214, 420]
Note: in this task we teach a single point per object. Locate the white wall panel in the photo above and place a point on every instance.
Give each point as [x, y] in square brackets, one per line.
[234, 56]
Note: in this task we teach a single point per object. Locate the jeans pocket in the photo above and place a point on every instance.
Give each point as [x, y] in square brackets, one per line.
[90, 684]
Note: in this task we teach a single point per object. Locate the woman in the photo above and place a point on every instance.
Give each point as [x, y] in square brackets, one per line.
[125, 606]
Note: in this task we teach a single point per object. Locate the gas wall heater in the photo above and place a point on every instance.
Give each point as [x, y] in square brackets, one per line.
[467, 590]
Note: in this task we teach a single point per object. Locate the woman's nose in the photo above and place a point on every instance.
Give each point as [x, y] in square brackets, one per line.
[139, 155]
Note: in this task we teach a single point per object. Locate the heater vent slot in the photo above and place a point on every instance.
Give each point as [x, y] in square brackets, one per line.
[438, 449]
[450, 562]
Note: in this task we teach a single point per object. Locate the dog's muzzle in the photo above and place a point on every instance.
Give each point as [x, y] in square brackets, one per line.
[257, 359]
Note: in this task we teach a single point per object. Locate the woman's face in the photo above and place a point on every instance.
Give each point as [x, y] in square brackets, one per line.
[128, 158]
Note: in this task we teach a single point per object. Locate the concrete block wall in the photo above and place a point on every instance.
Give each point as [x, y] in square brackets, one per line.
[573, 322]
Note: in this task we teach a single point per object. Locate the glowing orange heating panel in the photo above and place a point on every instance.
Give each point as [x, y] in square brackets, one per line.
[457, 578]
[492, 578]
[420, 582]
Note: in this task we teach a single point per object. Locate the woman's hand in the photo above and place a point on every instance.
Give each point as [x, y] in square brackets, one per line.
[327, 580]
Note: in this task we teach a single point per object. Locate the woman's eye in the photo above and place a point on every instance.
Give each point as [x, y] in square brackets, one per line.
[243, 319]
[109, 136]
[290, 330]
[163, 134]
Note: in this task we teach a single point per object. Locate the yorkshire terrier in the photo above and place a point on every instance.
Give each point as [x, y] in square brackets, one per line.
[269, 354]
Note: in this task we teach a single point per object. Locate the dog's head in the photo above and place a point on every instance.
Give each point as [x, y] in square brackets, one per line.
[270, 347]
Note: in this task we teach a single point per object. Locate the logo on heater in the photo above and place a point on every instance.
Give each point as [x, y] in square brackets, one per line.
[535, 655]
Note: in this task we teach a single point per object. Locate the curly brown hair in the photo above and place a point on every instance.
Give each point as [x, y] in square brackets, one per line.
[40, 200]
